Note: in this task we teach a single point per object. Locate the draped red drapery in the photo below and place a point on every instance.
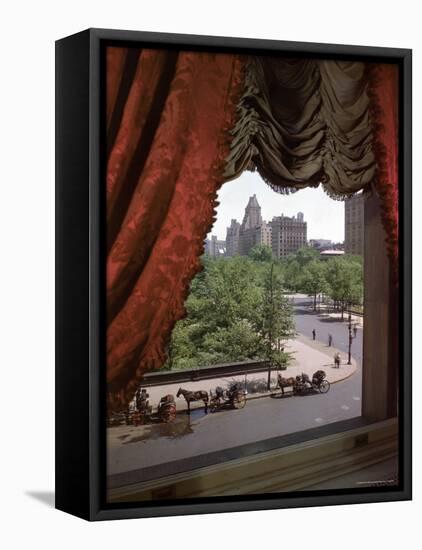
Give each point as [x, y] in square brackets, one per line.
[168, 115]
[383, 91]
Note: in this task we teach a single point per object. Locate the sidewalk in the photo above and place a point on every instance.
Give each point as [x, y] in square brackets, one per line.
[308, 357]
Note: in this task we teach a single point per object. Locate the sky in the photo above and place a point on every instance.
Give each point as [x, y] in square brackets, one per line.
[325, 216]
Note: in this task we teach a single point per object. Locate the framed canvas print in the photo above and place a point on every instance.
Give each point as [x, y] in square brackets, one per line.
[233, 274]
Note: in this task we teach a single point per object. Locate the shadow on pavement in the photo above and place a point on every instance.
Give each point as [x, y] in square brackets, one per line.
[331, 320]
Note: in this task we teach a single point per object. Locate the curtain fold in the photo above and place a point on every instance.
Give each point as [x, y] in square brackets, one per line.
[166, 160]
[304, 123]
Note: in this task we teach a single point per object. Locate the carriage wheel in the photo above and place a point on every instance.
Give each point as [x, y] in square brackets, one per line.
[324, 386]
[239, 401]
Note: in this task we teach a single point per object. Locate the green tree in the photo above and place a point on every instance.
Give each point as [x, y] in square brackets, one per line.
[305, 255]
[277, 318]
[226, 311]
[313, 280]
[294, 265]
[345, 282]
[238, 342]
[292, 275]
[261, 253]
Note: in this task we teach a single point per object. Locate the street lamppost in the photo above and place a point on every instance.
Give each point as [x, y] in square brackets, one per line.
[349, 360]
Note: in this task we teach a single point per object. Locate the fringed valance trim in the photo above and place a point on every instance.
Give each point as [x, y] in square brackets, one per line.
[327, 141]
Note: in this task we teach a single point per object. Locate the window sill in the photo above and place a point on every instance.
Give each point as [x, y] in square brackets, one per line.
[295, 462]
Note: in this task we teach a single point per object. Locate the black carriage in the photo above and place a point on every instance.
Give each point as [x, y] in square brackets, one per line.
[166, 411]
[142, 412]
[234, 397]
[303, 384]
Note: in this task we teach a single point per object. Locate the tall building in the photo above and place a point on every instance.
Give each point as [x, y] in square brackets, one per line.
[232, 239]
[214, 247]
[288, 234]
[252, 221]
[252, 217]
[263, 234]
[283, 235]
[354, 225]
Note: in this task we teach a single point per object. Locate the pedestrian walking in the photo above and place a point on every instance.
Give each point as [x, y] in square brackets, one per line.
[355, 331]
[330, 340]
[337, 360]
[313, 334]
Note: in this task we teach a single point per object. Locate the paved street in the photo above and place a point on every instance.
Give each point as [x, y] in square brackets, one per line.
[134, 448]
[306, 320]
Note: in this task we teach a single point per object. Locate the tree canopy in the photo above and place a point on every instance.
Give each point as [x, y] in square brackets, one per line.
[227, 314]
[237, 309]
[261, 253]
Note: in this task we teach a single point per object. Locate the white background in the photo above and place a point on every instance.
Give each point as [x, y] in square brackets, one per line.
[27, 271]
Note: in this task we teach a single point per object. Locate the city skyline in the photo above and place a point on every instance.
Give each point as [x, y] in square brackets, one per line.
[325, 216]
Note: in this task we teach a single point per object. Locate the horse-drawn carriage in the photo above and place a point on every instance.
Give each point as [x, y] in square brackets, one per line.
[302, 384]
[234, 397]
[141, 412]
[166, 411]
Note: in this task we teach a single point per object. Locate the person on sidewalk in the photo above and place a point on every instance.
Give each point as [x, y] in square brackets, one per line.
[355, 331]
[313, 334]
[330, 340]
[337, 360]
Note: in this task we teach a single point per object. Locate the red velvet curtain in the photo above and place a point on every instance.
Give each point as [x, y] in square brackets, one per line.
[383, 92]
[168, 119]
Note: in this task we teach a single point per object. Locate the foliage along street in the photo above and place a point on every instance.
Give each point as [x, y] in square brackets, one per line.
[237, 308]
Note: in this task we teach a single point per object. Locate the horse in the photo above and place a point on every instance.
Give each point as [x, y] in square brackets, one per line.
[285, 382]
[199, 395]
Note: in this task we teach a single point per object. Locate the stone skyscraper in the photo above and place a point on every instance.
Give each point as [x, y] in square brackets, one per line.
[288, 234]
[232, 238]
[354, 225]
[283, 235]
[214, 247]
[250, 235]
[252, 217]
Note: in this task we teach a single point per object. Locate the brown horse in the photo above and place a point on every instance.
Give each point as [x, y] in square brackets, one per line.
[199, 395]
[285, 382]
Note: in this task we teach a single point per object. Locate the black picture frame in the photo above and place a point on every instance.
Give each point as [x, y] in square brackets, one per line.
[80, 386]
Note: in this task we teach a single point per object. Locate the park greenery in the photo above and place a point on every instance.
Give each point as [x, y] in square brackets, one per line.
[238, 307]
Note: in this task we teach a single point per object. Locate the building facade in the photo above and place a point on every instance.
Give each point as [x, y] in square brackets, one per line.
[288, 234]
[263, 234]
[354, 225]
[232, 238]
[252, 221]
[214, 247]
[283, 235]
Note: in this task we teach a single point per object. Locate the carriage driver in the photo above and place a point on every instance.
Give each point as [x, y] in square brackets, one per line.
[141, 399]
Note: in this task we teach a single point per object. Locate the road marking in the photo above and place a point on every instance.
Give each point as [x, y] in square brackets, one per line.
[345, 407]
[319, 420]
[356, 398]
